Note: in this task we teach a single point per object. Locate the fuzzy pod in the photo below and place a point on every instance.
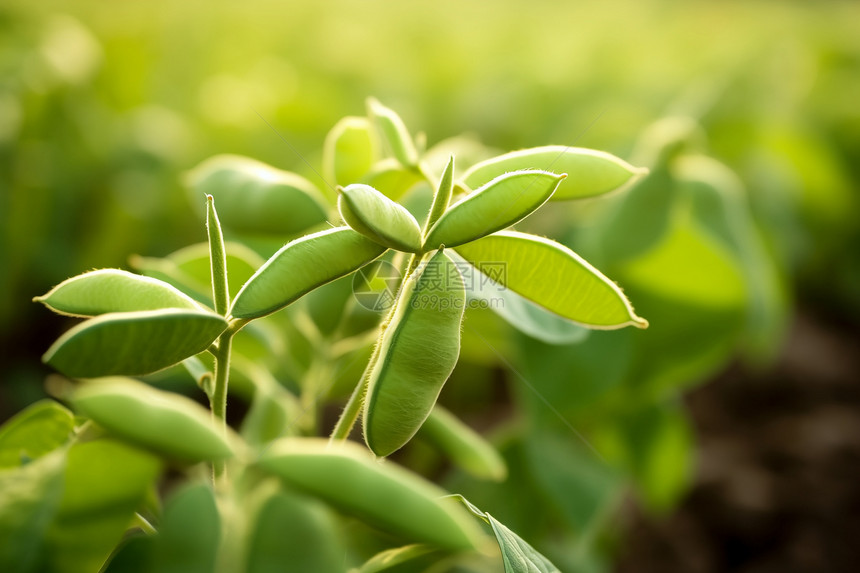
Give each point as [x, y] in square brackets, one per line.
[164, 422]
[382, 494]
[113, 290]
[133, 343]
[417, 353]
[591, 172]
[256, 198]
[497, 205]
[301, 266]
[393, 132]
[379, 218]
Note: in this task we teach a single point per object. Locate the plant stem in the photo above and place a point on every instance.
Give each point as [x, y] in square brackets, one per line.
[353, 406]
[218, 401]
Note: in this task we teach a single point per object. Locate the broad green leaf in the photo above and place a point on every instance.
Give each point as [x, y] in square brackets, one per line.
[295, 531]
[29, 497]
[349, 151]
[348, 477]
[719, 204]
[407, 556]
[497, 205]
[379, 218]
[589, 172]
[256, 198]
[188, 268]
[517, 555]
[404, 383]
[301, 266]
[112, 290]
[688, 267]
[554, 277]
[394, 133]
[392, 179]
[152, 418]
[189, 532]
[639, 218]
[133, 343]
[33, 432]
[105, 482]
[463, 445]
[484, 291]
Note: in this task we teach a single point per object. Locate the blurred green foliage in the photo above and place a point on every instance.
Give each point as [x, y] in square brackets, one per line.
[751, 203]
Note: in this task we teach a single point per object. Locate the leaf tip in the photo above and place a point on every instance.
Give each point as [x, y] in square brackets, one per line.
[640, 322]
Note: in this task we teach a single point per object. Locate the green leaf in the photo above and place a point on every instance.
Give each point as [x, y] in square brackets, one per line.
[348, 477]
[133, 343]
[394, 133]
[33, 432]
[590, 172]
[554, 277]
[297, 531]
[153, 419]
[189, 532]
[517, 555]
[301, 266]
[466, 448]
[29, 497]
[349, 151]
[379, 218]
[105, 482]
[497, 205]
[256, 198]
[112, 290]
[719, 205]
[519, 312]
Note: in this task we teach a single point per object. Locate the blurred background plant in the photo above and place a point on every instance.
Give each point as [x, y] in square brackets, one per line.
[733, 421]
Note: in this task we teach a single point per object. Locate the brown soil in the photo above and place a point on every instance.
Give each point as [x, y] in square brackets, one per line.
[778, 481]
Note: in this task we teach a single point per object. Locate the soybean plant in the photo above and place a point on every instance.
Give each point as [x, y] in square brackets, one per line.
[86, 477]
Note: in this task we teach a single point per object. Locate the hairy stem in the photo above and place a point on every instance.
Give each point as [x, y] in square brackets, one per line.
[218, 401]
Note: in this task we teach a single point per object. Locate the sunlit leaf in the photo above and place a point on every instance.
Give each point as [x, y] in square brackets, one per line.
[554, 277]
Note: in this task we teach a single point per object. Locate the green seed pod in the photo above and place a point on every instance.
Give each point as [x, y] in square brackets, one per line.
[379, 218]
[591, 172]
[349, 151]
[133, 343]
[347, 477]
[392, 179]
[394, 133]
[417, 353]
[256, 198]
[112, 290]
[466, 448]
[442, 197]
[165, 422]
[300, 267]
[497, 205]
[569, 286]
